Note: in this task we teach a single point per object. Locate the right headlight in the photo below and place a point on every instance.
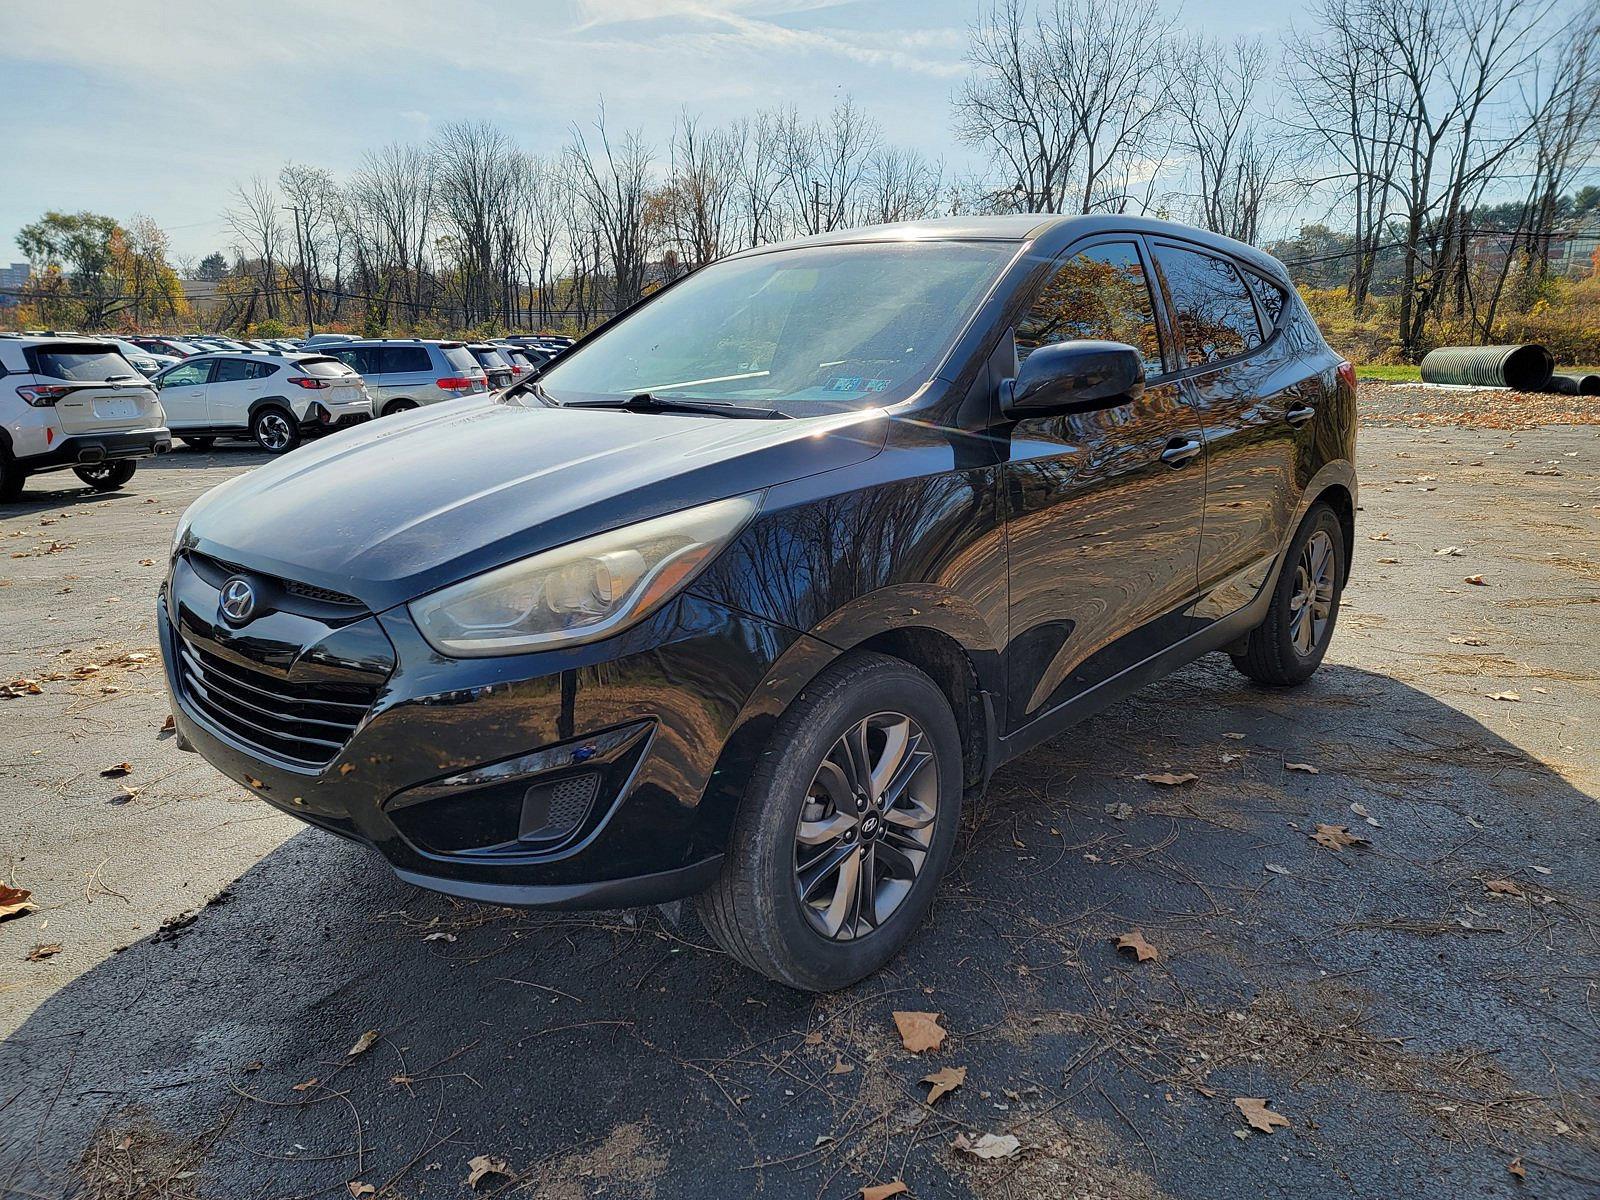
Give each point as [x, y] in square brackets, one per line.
[580, 592]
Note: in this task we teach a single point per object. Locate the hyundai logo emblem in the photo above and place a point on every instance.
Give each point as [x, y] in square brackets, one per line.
[238, 600]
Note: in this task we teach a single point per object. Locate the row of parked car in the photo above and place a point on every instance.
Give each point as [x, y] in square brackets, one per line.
[96, 405]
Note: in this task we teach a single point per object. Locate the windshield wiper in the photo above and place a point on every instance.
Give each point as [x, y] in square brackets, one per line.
[647, 402]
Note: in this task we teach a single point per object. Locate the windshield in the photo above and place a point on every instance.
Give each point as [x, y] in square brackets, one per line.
[491, 359]
[813, 326]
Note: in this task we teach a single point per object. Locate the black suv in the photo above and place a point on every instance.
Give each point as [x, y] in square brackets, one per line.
[750, 590]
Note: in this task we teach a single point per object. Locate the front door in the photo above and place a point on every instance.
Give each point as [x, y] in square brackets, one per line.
[183, 395]
[1104, 506]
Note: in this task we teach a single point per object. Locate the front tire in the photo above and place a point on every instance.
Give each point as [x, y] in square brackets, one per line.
[275, 431]
[398, 406]
[846, 826]
[107, 477]
[1288, 646]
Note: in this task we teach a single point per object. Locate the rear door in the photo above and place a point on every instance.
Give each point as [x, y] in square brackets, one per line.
[183, 394]
[1255, 395]
[236, 384]
[105, 394]
[1105, 506]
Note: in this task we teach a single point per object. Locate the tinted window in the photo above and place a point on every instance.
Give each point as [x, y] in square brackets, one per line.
[324, 368]
[492, 360]
[232, 370]
[1101, 293]
[398, 360]
[460, 358]
[1270, 296]
[84, 364]
[1216, 317]
[356, 360]
[186, 375]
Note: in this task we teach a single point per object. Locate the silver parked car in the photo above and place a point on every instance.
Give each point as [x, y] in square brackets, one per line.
[407, 373]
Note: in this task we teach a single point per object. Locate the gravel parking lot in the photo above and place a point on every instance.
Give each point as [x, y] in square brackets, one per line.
[187, 1010]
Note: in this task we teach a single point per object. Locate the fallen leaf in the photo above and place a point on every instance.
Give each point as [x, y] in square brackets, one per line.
[14, 902]
[307, 1085]
[118, 771]
[169, 724]
[944, 1081]
[359, 1189]
[882, 1191]
[1452, 551]
[987, 1145]
[1476, 580]
[919, 1031]
[43, 950]
[482, 1167]
[813, 1038]
[1304, 768]
[840, 1067]
[1503, 887]
[1238, 737]
[1166, 779]
[346, 768]
[1510, 697]
[1276, 869]
[1378, 537]
[1336, 837]
[1134, 941]
[1468, 641]
[1516, 1168]
[1119, 812]
[363, 1043]
[1258, 1115]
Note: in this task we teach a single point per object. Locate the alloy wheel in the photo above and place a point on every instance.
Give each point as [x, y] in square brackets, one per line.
[866, 826]
[1311, 604]
[273, 432]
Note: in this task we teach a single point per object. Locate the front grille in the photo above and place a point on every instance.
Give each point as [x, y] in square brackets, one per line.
[310, 592]
[304, 723]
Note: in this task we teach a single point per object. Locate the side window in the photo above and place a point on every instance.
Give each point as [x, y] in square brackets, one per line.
[1101, 293]
[1216, 317]
[232, 370]
[359, 361]
[261, 370]
[1269, 295]
[187, 375]
[404, 360]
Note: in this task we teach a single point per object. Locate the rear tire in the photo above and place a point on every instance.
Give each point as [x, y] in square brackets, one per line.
[197, 443]
[107, 477]
[275, 430]
[12, 477]
[778, 907]
[1288, 646]
[398, 406]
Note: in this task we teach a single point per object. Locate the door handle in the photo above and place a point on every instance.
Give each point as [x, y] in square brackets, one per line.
[1180, 451]
[1300, 414]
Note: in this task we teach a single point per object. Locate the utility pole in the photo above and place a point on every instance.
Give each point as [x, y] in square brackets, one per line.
[816, 205]
[305, 278]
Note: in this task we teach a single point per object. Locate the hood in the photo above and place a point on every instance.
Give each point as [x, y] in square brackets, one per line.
[401, 506]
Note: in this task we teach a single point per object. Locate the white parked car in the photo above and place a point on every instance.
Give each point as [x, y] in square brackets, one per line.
[73, 403]
[273, 398]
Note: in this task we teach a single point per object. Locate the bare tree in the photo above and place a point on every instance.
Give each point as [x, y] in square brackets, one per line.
[614, 185]
[1220, 132]
[256, 222]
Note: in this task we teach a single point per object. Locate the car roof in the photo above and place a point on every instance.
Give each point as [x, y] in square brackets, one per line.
[1055, 230]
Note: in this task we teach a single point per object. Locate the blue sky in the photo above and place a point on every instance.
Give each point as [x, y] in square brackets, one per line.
[162, 106]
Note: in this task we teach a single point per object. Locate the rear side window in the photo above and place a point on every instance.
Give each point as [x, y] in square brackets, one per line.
[1098, 294]
[399, 360]
[82, 364]
[324, 368]
[460, 358]
[1269, 295]
[1216, 317]
[232, 370]
[356, 360]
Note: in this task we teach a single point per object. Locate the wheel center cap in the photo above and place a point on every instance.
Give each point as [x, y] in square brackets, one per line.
[871, 825]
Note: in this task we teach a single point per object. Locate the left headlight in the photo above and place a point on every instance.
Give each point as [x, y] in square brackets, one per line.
[582, 591]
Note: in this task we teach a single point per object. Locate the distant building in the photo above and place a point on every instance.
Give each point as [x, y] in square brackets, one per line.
[12, 280]
[1572, 250]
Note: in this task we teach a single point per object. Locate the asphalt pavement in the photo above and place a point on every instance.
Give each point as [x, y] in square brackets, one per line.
[1415, 994]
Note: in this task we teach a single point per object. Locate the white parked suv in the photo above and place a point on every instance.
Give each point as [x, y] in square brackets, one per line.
[73, 403]
[273, 398]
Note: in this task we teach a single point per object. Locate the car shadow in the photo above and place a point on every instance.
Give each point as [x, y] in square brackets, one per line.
[1417, 1029]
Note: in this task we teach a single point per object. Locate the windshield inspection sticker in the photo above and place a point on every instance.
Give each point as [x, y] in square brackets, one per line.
[854, 383]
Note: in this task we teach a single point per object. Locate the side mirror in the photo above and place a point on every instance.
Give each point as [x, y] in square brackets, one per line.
[1074, 377]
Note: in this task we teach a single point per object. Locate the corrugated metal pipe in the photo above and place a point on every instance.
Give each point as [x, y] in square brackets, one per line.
[1523, 368]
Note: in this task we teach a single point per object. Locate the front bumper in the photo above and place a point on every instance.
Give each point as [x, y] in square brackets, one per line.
[594, 776]
[86, 450]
